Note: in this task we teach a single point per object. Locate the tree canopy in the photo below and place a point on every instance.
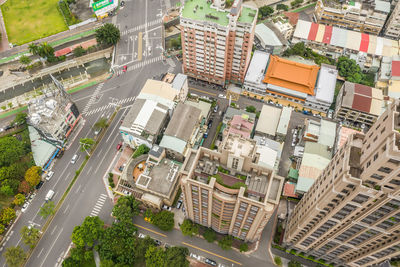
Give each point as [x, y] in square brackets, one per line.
[189, 228]
[30, 236]
[155, 257]
[126, 208]
[32, 175]
[25, 60]
[265, 11]
[282, 7]
[11, 150]
[226, 242]
[294, 263]
[108, 34]
[164, 220]
[101, 123]
[210, 235]
[19, 199]
[47, 209]
[15, 256]
[349, 69]
[7, 215]
[86, 144]
[84, 235]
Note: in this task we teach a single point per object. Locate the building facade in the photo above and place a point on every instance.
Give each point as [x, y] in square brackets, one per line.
[217, 44]
[350, 216]
[392, 28]
[228, 190]
[362, 16]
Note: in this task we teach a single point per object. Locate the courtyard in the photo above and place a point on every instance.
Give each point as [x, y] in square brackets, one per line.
[29, 20]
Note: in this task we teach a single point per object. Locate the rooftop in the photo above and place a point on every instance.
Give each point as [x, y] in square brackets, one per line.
[268, 120]
[159, 91]
[362, 98]
[203, 106]
[395, 68]
[267, 35]
[230, 112]
[344, 134]
[239, 146]
[284, 120]
[241, 125]
[327, 133]
[144, 115]
[183, 121]
[258, 64]
[179, 81]
[291, 75]
[41, 150]
[203, 10]
[325, 89]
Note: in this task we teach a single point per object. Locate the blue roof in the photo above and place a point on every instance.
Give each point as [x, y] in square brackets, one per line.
[304, 184]
[178, 81]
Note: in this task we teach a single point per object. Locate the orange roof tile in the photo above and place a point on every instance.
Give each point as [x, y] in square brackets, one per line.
[292, 75]
[293, 17]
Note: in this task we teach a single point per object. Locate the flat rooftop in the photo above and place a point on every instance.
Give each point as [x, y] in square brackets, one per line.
[239, 146]
[258, 64]
[291, 75]
[203, 11]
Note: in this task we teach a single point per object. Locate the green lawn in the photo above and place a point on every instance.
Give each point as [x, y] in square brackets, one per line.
[28, 20]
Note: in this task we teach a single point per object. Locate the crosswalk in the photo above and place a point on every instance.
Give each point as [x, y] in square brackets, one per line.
[92, 98]
[99, 204]
[171, 64]
[140, 27]
[110, 105]
[140, 64]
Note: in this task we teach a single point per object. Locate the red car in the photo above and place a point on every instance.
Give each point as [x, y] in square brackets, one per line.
[119, 146]
[125, 68]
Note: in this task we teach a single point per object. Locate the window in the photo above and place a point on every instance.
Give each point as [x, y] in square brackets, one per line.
[377, 176]
[385, 169]
[375, 156]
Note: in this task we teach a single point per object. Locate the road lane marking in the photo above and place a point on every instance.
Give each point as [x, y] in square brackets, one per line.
[40, 253]
[147, 229]
[202, 91]
[77, 190]
[52, 245]
[52, 232]
[140, 52]
[66, 208]
[90, 169]
[209, 252]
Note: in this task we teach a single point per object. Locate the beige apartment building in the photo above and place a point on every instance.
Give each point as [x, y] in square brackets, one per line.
[363, 16]
[392, 28]
[228, 190]
[351, 216]
[217, 42]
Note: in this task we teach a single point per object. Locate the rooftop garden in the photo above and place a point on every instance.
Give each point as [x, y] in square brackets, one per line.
[228, 181]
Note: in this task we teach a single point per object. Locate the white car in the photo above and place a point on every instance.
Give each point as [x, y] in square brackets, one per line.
[197, 257]
[221, 96]
[74, 158]
[165, 207]
[49, 175]
[25, 206]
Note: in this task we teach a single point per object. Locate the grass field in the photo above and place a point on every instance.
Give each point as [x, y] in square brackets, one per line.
[28, 20]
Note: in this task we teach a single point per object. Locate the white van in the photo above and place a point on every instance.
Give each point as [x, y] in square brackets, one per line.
[49, 195]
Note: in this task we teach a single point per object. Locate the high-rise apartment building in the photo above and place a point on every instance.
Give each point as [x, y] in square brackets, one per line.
[392, 28]
[230, 190]
[363, 16]
[351, 216]
[217, 43]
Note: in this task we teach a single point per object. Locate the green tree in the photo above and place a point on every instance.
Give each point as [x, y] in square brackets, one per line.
[45, 50]
[47, 209]
[294, 263]
[177, 257]
[140, 150]
[189, 228]
[226, 242]
[209, 235]
[2, 229]
[126, 208]
[119, 244]
[30, 236]
[155, 257]
[265, 11]
[243, 247]
[107, 263]
[86, 144]
[79, 51]
[228, 3]
[349, 69]
[164, 220]
[251, 109]
[19, 199]
[108, 34]
[24, 187]
[32, 175]
[77, 257]
[278, 260]
[282, 7]
[11, 150]
[84, 235]
[141, 247]
[7, 215]
[33, 49]
[20, 118]
[15, 256]
[101, 123]
[25, 60]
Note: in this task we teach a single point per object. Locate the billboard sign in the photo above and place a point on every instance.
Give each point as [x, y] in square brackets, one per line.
[101, 4]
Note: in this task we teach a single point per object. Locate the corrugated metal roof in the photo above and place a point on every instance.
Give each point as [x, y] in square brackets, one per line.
[327, 133]
[267, 36]
[284, 120]
[304, 184]
[302, 29]
[320, 33]
[173, 143]
[325, 89]
[258, 64]
[268, 120]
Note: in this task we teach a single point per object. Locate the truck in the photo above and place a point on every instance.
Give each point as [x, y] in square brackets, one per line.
[49, 195]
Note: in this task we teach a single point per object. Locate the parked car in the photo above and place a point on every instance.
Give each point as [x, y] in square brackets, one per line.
[74, 159]
[197, 257]
[210, 123]
[39, 185]
[210, 262]
[31, 197]
[119, 146]
[49, 175]
[167, 245]
[205, 134]
[122, 167]
[306, 112]
[49, 195]
[141, 235]
[179, 204]
[216, 109]
[165, 207]
[25, 206]
[221, 96]
[158, 242]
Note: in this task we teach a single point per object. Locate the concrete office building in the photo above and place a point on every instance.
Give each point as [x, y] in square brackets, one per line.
[350, 216]
[392, 27]
[229, 190]
[362, 16]
[217, 43]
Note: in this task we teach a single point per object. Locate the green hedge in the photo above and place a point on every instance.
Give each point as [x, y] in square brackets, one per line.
[70, 19]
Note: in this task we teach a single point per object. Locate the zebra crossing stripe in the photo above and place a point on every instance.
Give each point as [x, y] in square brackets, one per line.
[142, 26]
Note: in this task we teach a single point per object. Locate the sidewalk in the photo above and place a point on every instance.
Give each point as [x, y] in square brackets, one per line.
[54, 40]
